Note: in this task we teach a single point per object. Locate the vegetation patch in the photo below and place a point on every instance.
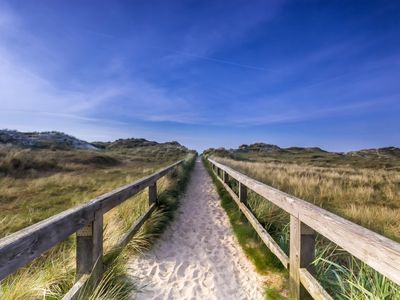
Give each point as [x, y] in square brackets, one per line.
[368, 197]
[365, 195]
[263, 259]
[115, 284]
[31, 196]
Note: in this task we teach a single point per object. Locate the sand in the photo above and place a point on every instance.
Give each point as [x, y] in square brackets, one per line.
[198, 257]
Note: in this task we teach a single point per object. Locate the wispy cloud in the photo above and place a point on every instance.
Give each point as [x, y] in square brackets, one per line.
[219, 27]
[227, 65]
[298, 115]
[23, 88]
[28, 113]
[214, 59]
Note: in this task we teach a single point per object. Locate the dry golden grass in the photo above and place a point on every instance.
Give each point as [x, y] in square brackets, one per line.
[36, 184]
[369, 197]
[363, 192]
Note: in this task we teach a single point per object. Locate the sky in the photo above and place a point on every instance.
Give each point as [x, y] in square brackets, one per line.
[204, 73]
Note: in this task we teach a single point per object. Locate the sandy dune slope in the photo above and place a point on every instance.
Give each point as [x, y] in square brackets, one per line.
[198, 256]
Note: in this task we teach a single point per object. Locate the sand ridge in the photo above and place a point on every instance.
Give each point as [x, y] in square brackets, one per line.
[198, 256]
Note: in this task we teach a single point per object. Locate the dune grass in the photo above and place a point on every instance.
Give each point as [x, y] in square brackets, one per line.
[367, 196]
[41, 183]
[35, 189]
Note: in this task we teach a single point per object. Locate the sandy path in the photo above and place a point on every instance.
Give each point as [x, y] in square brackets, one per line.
[198, 256]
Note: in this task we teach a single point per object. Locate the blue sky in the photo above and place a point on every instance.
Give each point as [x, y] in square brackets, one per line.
[205, 73]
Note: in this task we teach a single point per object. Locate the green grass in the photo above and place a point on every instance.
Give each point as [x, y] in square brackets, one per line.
[259, 254]
[273, 294]
[347, 278]
[263, 259]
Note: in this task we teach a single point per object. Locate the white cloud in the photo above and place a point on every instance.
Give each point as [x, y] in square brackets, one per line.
[24, 88]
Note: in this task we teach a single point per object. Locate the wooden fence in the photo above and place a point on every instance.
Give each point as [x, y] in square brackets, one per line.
[306, 220]
[86, 220]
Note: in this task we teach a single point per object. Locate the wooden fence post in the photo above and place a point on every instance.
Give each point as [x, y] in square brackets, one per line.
[153, 193]
[302, 251]
[89, 248]
[242, 192]
[225, 177]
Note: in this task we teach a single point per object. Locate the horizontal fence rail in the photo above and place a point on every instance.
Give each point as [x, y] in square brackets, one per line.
[86, 220]
[306, 219]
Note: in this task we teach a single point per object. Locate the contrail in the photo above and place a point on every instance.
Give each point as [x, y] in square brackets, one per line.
[61, 115]
[208, 58]
[223, 61]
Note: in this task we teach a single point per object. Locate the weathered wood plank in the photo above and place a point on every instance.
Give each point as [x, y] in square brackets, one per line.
[86, 283]
[312, 286]
[135, 227]
[153, 193]
[116, 197]
[294, 257]
[301, 255]
[225, 177]
[21, 247]
[242, 193]
[377, 251]
[84, 246]
[89, 247]
[77, 288]
[263, 234]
